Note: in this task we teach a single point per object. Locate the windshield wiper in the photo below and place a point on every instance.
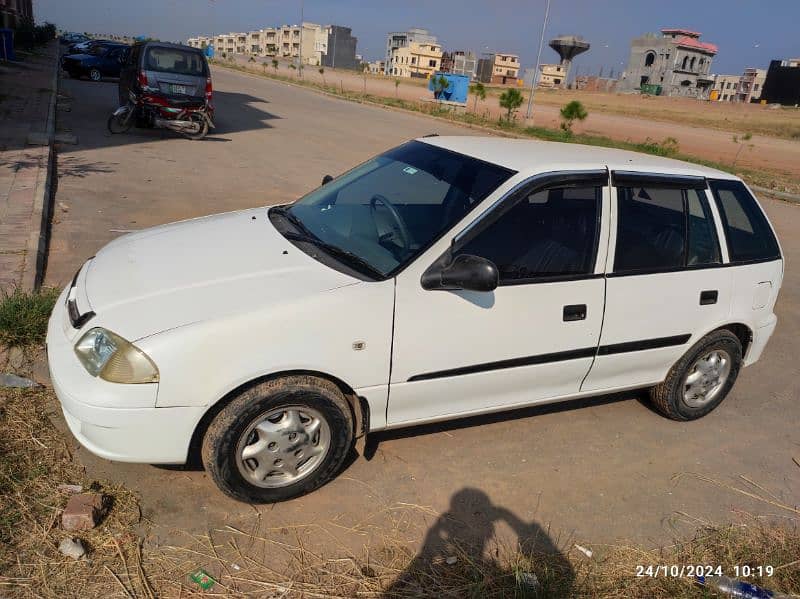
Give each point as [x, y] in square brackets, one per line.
[349, 258]
[298, 224]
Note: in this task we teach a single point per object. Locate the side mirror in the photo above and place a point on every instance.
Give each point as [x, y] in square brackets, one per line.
[471, 273]
[326, 179]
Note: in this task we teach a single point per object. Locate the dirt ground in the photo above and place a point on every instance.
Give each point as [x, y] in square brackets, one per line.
[702, 129]
[598, 470]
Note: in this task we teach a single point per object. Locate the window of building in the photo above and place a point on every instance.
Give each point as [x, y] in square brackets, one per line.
[649, 59]
[755, 87]
[544, 234]
[685, 62]
[747, 230]
[432, 63]
[691, 64]
[652, 230]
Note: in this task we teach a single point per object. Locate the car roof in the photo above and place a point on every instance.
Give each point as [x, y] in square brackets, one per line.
[529, 156]
[152, 44]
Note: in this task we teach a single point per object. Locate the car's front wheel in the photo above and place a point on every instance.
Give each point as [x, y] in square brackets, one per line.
[701, 379]
[279, 439]
[95, 75]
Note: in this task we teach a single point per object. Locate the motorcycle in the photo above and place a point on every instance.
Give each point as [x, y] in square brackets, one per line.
[190, 117]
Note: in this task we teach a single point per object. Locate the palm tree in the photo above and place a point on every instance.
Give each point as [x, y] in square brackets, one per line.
[322, 72]
[478, 90]
[511, 100]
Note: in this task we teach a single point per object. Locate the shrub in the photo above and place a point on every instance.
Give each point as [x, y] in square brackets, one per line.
[511, 100]
[24, 315]
[570, 113]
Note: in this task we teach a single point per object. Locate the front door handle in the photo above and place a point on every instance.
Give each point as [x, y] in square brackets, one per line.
[574, 312]
[708, 297]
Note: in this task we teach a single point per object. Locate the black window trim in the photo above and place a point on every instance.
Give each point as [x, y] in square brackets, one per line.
[627, 179]
[659, 180]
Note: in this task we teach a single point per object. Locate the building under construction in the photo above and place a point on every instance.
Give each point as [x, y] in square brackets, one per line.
[676, 63]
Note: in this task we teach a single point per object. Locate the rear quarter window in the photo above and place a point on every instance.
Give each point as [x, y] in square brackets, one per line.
[747, 231]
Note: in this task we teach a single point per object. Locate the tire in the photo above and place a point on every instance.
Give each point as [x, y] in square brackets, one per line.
[231, 438]
[676, 398]
[95, 75]
[199, 134]
[120, 123]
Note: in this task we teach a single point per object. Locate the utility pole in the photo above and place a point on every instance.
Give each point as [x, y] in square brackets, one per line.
[301, 39]
[538, 59]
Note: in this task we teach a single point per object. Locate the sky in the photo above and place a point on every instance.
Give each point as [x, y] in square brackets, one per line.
[749, 33]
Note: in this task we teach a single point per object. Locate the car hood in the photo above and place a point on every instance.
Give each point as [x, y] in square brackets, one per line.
[169, 276]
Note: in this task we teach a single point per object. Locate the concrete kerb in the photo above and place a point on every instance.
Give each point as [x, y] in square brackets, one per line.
[36, 250]
[781, 195]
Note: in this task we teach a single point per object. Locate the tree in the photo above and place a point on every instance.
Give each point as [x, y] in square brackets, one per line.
[478, 90]
[745, 138]
[322, 72]
[275, 64]
[396, 86]
[265, 64]
[572, 111]
[511, 100]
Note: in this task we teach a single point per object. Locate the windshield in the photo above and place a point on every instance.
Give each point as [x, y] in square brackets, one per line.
[391, 208]
[175, 60]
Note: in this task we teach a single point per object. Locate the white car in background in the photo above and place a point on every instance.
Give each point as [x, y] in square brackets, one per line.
[447, 277]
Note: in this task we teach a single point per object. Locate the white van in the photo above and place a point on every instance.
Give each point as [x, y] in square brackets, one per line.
[447, 277]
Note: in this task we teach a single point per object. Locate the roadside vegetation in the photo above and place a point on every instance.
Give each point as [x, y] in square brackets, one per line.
[35, 458]
[667, 147]
[24, 315]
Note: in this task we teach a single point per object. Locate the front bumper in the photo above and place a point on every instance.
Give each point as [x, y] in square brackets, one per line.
[114, 421]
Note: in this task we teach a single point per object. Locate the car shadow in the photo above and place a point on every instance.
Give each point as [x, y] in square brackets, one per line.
[91, 103]
[374, 439]
[461, 551]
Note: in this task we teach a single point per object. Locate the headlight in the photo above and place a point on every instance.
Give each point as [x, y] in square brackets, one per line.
[112, 358]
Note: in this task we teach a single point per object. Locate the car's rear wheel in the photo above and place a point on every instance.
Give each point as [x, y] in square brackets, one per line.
[95, 75]
[701, 379]
[279, 439]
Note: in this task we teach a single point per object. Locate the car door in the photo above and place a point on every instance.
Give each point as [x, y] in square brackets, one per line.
[110, 65]
[666, 281]
[531, 339]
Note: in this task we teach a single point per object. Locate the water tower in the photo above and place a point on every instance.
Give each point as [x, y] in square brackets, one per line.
[568, 47]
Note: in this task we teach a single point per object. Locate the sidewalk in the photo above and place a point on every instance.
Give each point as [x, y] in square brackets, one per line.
[27, 100]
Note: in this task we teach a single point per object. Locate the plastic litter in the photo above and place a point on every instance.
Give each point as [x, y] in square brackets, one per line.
[528, 581]
[737, 588]
[584, 550]
[72, 548]
[451, 560]
[202, 578]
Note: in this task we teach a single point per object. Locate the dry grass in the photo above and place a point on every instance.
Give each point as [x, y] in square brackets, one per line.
[265, 561]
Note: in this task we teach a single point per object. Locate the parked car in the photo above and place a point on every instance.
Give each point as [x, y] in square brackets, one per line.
[179, 73]
[448, 277]
[73, 38]
[83, 46]
[101, 60]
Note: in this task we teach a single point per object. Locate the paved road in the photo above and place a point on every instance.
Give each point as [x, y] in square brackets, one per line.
[600, 470]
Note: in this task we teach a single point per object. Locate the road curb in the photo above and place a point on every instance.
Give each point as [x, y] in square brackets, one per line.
[781, 195]
[36, 249]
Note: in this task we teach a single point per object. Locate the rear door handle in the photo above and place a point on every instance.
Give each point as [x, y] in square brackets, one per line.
[574, 312]
[708, 297]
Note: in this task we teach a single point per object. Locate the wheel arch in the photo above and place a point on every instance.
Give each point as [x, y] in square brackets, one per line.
[359, 408]
[743, 332]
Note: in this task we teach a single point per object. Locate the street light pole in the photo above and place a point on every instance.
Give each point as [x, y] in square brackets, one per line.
[538, 59]
[300, 67]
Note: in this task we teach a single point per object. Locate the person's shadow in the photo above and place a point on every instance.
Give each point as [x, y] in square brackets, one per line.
[454, 562]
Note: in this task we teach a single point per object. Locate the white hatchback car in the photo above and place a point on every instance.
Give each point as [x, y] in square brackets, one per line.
[447, 277]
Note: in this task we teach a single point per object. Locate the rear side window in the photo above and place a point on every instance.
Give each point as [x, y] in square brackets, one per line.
[663, 229]
[550, 233]
[175, 60]
[746, 228]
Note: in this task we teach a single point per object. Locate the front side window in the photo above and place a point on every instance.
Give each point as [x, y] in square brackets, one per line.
[747, 231]
[393, 207]
[663, 229]
[549, 233]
